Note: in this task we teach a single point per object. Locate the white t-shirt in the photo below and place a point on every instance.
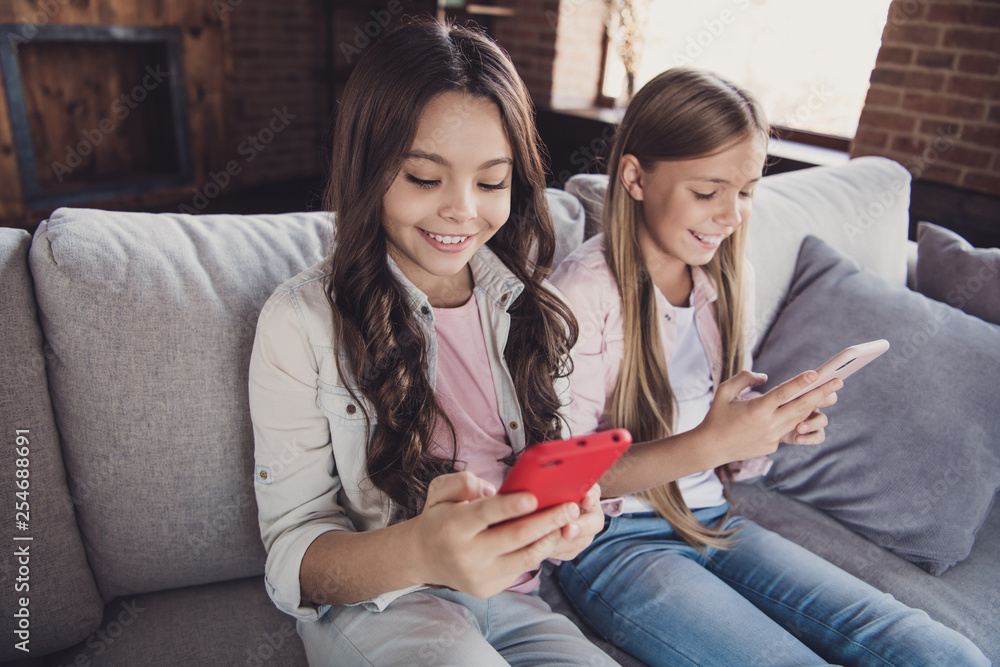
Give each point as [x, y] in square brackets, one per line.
[691, 381]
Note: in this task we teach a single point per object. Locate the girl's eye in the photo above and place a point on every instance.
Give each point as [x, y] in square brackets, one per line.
[703, 197]
[420, 183]
[746, 195]
[489, 187]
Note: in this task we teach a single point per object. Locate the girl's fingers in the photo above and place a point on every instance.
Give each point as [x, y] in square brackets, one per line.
[808, 402]
[830, 400]
[815, 422]
[457, 487]
[592, 499]
[789, 388]
[736, 385]
[528, 530]
[503, 507]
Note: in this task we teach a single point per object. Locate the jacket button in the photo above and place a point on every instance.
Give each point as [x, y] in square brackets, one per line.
[503, 298]
[425, 310]
[351, 409]
[667, 315]
[263, 474]
[513, 426]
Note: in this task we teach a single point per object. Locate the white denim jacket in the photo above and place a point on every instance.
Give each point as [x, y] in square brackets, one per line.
[310, 437]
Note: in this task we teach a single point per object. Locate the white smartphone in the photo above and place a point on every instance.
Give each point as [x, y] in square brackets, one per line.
[845, 363]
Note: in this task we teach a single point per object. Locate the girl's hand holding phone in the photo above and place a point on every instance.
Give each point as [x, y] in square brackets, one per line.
[747, 428]
[459, 545]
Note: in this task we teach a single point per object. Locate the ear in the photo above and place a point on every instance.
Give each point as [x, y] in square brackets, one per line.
[632, 176]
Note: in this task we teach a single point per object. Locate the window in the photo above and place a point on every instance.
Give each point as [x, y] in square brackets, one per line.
[808, 62]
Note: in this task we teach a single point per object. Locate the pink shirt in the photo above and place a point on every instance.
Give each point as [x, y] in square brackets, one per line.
[464, 390]
[590, 288]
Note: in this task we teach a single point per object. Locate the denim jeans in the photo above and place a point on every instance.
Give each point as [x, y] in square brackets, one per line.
[445, 628]
[765, 601]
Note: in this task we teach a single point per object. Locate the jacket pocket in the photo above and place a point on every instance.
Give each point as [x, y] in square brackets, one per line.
[342, 409]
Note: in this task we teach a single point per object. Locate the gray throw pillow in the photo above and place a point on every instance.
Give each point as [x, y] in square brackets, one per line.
[912, 454]
[949, 269]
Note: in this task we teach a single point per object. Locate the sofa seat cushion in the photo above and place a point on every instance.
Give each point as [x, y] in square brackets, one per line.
[48, 571]
[229, 623]
[965, 598]
[149, 320]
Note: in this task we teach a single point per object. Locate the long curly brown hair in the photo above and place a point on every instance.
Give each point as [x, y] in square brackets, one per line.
[382, 351]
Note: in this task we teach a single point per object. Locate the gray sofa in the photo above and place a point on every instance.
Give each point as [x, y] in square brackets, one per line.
[125, 344]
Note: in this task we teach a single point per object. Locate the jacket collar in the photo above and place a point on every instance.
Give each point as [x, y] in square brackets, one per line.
[489, 273]
[703, 290]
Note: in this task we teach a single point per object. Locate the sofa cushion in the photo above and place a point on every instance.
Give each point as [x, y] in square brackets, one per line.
[149, 320]
[949, 269]
[64, 605]
[228, 623]
[912, 454]
[568, 220]
[861, 208]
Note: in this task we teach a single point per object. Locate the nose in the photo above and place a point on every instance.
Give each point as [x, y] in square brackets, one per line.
[731, 212]
[459, 204]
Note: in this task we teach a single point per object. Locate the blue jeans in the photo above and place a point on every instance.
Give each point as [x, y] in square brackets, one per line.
[765, 601]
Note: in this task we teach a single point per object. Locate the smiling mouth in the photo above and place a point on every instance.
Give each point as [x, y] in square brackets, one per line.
[447, 240]
[711, 239]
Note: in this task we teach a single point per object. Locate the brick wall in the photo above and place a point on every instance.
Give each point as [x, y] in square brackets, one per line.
[934, 100]
[530, 39]
[556, 47]
[277, 88]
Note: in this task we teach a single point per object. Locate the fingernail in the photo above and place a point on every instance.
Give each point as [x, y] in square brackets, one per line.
[525, 504]
[574, 531]
[574, 512]
[811, 376]
[489, 489]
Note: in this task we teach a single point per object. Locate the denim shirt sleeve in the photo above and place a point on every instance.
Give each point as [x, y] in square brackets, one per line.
[296, 478]
[296, 499]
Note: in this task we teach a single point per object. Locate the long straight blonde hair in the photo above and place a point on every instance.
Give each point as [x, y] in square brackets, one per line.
[681, 114]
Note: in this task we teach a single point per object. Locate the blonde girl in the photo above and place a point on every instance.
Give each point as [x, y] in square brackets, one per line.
[392, 385]
[663, 299]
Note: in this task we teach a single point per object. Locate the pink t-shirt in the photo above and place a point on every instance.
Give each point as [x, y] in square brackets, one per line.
[465, 391]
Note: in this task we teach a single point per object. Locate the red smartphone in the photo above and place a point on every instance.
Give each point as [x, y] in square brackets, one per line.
[562, 471]
[845, 363]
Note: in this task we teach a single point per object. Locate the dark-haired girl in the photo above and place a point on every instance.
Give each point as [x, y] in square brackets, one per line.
[392, 385]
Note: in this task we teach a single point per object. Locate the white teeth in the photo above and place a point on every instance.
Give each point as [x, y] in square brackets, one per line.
[709, 238]
[447, 239]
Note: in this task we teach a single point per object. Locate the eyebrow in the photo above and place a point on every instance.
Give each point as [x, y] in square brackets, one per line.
[434, 157]
[723, 181]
